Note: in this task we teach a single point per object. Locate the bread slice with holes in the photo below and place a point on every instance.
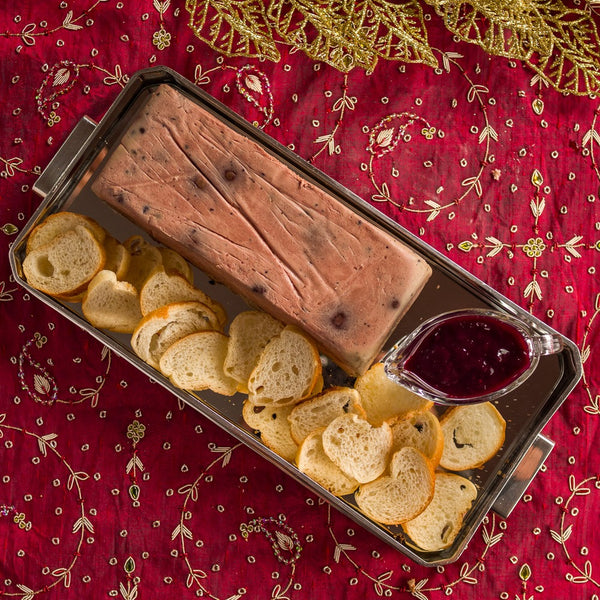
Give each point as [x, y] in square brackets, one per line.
[403, 494]
[195, 362]
[421, 431]
[249, 333]
[117, 260]
[65, 265]
[163, 287]
[439, 524]
[271, 422]
[58, 223]
[145, 258]
[473, 434]
[319, 410]
[287, 370]
[312, 460]
[357, 447]
[111, 304]
[384, 399]
[161, 328]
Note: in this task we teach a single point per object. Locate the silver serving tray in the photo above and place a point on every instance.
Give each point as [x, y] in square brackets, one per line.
[65, 185]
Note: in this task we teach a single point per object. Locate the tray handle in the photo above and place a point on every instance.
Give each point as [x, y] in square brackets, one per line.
[519, 481]
[64, 157]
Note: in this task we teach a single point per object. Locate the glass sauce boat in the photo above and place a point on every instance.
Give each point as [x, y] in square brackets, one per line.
[468, 356]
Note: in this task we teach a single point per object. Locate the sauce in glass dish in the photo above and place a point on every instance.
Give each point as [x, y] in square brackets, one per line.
[470, 355]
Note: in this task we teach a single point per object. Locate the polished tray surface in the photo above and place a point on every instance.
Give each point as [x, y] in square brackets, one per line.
[65, 185]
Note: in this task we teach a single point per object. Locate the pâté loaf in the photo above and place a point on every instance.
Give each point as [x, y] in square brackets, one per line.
[250, 221]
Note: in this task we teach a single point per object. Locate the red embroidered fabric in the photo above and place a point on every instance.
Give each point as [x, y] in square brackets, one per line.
[109, 487]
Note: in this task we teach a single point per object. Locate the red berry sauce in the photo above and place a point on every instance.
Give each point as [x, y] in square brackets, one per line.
[469, 355]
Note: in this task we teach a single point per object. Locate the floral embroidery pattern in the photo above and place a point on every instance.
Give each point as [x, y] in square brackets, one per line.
[328, 140]
[581, 573]
[18, 518]
[161, 39]
[534, 247]
[38, 382]
[386, 135]
[45, 389]
[135, 433]
[82, 527]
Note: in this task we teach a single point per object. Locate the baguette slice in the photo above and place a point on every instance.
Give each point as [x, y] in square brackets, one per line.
[357, 448]
[318, 411]
[421, 431]
[287, 369]
[59, 223]
[173, 261]
[118, 258]
[195, 362]
[65, 265]
[274, 428]
[438, 525]
[249, 333]
[312, 460]
[401, 496]
[472, 435]
[163, 287]
[145, 258]
[319, 384]
[111, 304]
[166, 325]
[384, 399]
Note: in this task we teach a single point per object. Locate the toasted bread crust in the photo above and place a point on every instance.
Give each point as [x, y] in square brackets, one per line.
[473, 434]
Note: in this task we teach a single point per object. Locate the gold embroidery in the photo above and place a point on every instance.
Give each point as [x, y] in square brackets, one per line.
[233, 28]
[342, 33]
[559, 43]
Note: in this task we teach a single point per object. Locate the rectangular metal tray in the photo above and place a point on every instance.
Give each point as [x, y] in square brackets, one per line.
[64, 184]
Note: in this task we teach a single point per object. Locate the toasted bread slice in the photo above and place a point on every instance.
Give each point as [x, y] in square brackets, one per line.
[319, 385]
[312, 460]
[58, 223]
[65, 265]
[421, 431]
[163, 287]
[384, 399]
[403, 494]
[145, 258]
[166, 325]
[286, 371]
[118, 258]
[358, 448]
[195, 362]
[316, 412]
[249, 333]
[473, 433]
[173, 262]
[273, 425]
[111, 304]
[439, 524]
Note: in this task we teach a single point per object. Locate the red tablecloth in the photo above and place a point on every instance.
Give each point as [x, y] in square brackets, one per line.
[491, 167]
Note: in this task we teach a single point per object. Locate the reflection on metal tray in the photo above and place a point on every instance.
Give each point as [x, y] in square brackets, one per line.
[64, 185]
